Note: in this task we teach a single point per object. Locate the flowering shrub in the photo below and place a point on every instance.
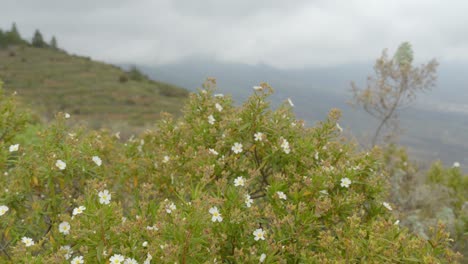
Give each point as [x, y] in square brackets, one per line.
[222, 184]
[11, 122]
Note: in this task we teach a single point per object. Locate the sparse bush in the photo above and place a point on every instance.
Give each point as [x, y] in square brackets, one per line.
[222, 184]
[171, 91]
[427, 197]
[136, 75]
[123, 78]
[394, 86]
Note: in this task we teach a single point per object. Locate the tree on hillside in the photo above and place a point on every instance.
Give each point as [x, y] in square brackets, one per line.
[53, 43]
[394, 87]
[2, 38]
[38, 40]
[13, 36]
[14, 31]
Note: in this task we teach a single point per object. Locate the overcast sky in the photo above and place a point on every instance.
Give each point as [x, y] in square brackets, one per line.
[281, 33]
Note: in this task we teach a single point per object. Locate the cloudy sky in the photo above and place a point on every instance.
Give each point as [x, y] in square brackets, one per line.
[285, 34]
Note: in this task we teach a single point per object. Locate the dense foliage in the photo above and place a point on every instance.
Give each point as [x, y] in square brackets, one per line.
[222, 184]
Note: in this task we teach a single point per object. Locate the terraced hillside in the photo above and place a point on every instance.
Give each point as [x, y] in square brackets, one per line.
[99, 94]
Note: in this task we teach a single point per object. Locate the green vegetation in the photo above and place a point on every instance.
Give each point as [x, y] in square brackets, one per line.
[423, 198]
[230, 184]
[11, 37]
[48, 81]
[221, 183]
[426, 197]
[53, 43]
[52, 81]
[38, 40]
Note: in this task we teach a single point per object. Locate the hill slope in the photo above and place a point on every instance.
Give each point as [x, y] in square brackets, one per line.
[49, 81]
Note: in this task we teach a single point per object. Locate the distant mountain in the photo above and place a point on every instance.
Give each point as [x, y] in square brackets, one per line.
[432, 127]
[452, 82]
[99, 94]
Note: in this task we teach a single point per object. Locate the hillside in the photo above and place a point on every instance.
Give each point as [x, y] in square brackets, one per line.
[99, 94]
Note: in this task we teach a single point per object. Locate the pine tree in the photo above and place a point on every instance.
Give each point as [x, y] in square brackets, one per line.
[37, 40]
[2, 38]
[53, 43]
[13, 37]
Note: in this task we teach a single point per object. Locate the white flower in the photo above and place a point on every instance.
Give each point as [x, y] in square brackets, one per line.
[218, 107]
[237, 148]
[27, 241]
[78, 210]
[152, 228]
[97, 160]
[104, 197]
[215, 215]
[258, 88]
[145, 244]
[148, 259]
[165, 159]
[170, 207]
[60, 164]
[258, 136]
[397, 222]
[3, 209]
[323, 192]
[259, 234]
[130, 261]
[262, 258]
[339, 127]
[218, 95]
[64, 228]
[281, 195]
[14, 148]
[290, 102]
[239, 181]
[77, 260]
[116, 259]
[68, 251]
[316, 156]
[285, 146]
[345, 182]
[214, 152]
[387, 205]
[211, 119]
[456, 164]
[67, 115]
[248, 200]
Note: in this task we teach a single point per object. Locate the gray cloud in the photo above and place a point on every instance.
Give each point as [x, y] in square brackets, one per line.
[279, 33]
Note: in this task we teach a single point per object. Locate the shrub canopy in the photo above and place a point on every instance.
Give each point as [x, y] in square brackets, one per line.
[222, 184]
